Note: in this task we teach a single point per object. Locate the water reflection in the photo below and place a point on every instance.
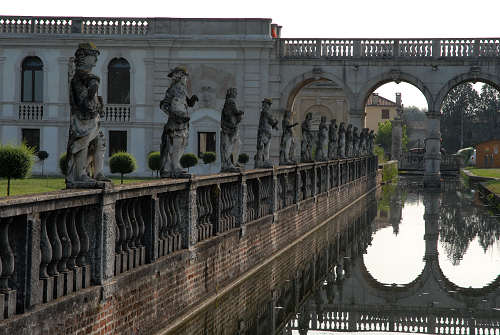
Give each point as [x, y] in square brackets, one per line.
[333, 280]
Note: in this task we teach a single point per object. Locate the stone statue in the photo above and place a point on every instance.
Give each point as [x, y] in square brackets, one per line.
[230, 137]
[341, 151]
[86, 143]
[355, 142]
[175, 133]
[371, 143]
[286, 145]
[266, 124]
[322, 143]
[363, 138]
[307, 140]
[348, 141]
[332, 140]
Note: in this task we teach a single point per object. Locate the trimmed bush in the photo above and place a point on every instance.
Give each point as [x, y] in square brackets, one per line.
[15, 162]
[209, 157]
[243, 158]
[122, 163]
[154, 161]
[42, 155]
[63, 164]
[188, 160]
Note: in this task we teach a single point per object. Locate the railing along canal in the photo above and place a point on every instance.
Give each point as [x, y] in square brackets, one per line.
[55, 244]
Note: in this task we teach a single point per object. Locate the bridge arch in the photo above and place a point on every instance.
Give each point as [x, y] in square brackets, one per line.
[487, 78]
[293, 87]
[383, 78]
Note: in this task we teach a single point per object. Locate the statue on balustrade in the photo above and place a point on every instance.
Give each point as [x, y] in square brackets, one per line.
[266, 124]
[175, 132]
[322, 143]
[348, 141]
[86, 142]
[230, 136]
[355, 142]
[287, 140]
[341, 151]
[371, 142]
[363, 140]
[332, 139]
[306, 145]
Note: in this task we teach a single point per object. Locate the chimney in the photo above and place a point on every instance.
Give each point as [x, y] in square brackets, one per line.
[375, 99]
[398, 99]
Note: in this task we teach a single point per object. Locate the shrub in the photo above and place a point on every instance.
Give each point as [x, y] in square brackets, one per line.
[154, 161]
[122, 163]
[389, 171]
[243, 158]
[63, 164]
[42, 155]
[379, 152]
[188, 160]
[15, 162]
[209, 157]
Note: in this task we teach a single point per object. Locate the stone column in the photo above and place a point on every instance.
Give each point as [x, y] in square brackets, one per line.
[397, 138]
[432, 205]
[432, 156]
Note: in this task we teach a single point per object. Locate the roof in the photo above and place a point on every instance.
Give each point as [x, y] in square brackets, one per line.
[372, 101]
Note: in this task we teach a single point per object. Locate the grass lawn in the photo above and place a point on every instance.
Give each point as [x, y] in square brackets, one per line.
[493, 186]
[40, 185]
[495, 173]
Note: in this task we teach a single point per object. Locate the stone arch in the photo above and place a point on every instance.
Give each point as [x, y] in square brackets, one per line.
[386, 77]
[294, 86]
[487, 78]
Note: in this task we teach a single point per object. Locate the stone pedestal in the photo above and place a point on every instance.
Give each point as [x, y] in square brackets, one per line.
[432, 156]
[77, 278]
[9, 303]
[397, 139]
[58, 285]
[47, 285]
[68, 282]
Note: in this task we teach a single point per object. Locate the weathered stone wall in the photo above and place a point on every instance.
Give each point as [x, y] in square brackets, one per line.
[135, 278]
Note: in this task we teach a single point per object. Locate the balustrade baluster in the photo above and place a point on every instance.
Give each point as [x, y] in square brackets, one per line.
[140, 222]
[75, 241]
[133, 223]
[65, 241]
[55, 243]
[45, 248]
[121, 247]
[6, 254]
[84, 238]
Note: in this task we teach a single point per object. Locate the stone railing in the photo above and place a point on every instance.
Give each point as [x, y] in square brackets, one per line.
[30, 111]
[117, 113]
[55, 244]
[414, 161]
[389, 48]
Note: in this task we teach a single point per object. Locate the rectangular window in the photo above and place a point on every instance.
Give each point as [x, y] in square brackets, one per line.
[117, 141]
[31, 137]
[206, 142]
[385, 113]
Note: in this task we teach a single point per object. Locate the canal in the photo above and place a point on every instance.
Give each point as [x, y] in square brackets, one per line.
[402, 260]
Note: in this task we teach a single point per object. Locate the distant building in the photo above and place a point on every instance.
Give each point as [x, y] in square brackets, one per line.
[487, 154]
[379, 109]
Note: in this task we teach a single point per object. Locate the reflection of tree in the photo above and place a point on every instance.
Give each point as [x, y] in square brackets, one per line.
[461, 222]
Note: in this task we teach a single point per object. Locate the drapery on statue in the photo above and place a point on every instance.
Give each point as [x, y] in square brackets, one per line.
[286, 153]
[307, 140]
[175, 133]
[371, 143]
[362, 141]
[230, 136]
[355, 142]
[332, 139]
[341, 152]
[266, 124]
[86, 143]
[348, 141]
[322, 143]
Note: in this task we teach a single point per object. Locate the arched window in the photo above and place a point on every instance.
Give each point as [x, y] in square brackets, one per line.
[119, 81]
[32, 80]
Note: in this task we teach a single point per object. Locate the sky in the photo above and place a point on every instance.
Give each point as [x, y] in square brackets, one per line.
[309, 19]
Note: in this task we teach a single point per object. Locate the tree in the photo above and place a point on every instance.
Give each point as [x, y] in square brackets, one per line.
[122, 163]
[154, 161]
[15, 162]
[209, 157]
[42, 155]
[188, 160]
[384, 135]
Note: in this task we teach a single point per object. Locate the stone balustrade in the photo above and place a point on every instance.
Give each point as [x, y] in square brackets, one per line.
[117, 113]
[30, 111]
[389, 48]
[55, 244]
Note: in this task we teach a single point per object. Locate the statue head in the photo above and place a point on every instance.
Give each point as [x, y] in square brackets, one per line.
[309, 116]
[333, 122]
[86, 56]
[179, 73]
[231, 93]
[323, 119]
[356, 130]
[266, 103]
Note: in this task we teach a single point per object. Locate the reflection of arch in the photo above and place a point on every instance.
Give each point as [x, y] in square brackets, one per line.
[396, 76]
[294, 86]
[470, 76]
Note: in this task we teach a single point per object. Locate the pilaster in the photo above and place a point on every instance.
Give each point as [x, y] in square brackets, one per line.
[432, 156]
